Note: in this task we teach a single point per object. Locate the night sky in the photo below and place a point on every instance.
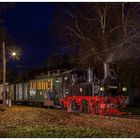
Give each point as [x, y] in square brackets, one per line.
[29, 24]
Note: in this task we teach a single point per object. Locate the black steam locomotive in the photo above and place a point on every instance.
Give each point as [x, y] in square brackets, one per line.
[80, 86]
[85, 83]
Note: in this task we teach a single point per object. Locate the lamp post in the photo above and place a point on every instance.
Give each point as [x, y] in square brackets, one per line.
[4, 71]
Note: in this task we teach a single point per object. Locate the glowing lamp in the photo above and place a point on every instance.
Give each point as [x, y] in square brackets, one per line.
[13, 53]
[102, 89]
[124, 89]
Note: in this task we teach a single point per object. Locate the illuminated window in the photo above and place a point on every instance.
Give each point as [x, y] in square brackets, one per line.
[51, 85]
[31, 86]
[38, 84]
[34, 85]
[46, 85]
[42, 85]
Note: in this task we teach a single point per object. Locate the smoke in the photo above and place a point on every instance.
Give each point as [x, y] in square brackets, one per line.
[124, 53]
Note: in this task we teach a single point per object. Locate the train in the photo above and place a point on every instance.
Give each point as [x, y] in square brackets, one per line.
[75, 90]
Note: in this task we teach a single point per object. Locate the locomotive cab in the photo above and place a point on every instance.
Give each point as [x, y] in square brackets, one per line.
[73, 82]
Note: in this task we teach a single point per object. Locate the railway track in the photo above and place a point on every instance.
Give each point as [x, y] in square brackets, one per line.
[127, 116]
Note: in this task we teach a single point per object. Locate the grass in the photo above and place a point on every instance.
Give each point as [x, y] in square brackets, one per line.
[33, 122]
[61, 132]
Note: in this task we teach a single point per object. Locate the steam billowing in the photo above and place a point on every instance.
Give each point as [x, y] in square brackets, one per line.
[125, 53]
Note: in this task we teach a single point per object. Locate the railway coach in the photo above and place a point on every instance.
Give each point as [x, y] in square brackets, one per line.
[43, 90]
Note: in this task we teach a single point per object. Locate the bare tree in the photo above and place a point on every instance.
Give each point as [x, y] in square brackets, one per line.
[104, 32]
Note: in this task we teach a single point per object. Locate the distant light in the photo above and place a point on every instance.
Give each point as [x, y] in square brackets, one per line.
[57, 81]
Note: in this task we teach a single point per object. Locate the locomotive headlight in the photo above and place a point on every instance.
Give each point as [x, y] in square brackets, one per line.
[124, 89]
[102, 89]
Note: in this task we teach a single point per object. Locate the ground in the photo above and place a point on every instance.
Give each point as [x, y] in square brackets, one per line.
[21, 121]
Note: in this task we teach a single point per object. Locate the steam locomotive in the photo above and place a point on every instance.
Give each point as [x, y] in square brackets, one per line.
[83, 92]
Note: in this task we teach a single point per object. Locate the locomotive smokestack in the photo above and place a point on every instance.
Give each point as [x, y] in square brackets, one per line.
[90, 75]
[106, 69]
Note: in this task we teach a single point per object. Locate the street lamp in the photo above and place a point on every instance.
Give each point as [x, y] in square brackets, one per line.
[14, 54]
[4, 71]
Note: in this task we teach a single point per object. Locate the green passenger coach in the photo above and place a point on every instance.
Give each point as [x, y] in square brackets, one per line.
[45, 91]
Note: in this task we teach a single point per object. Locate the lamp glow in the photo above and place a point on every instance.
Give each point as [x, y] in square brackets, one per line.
[102, 89]
[13, 53]
[124, 89]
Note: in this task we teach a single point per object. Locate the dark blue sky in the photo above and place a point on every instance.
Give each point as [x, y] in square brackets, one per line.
[30, 25]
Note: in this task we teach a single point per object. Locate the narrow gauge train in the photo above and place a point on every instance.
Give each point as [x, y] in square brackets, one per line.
[75, 90]
[83, 92]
